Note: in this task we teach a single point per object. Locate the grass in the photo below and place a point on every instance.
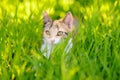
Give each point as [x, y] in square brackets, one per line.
[95, 54]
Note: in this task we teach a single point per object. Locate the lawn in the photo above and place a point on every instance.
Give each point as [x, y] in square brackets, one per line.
[95, 54]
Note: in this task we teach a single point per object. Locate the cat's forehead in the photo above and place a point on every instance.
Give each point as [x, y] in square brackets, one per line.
[57, 25]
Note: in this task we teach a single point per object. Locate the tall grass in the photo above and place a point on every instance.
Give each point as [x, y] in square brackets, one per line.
[96, 47]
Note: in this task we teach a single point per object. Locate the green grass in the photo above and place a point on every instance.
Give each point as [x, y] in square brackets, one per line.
[96, 46]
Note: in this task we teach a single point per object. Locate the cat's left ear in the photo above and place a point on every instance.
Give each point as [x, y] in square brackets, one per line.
[68, 20]
[46, 18]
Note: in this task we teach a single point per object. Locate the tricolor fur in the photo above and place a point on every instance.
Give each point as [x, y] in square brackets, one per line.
[55, 31]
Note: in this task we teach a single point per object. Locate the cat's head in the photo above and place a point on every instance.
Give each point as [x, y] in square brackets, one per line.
[56, 30]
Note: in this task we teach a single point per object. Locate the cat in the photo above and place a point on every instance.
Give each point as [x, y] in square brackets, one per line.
[55, 31]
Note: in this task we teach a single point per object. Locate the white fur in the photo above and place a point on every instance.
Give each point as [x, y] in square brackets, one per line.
[46, 48]
[54, 40]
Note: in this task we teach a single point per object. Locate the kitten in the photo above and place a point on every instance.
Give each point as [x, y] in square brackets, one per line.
[55, 31]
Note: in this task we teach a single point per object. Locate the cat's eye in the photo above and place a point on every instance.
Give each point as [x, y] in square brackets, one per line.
[60, 33]
[47, 32]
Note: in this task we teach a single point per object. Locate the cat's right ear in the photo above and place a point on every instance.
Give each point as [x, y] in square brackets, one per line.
[68, 20]
[46, 18]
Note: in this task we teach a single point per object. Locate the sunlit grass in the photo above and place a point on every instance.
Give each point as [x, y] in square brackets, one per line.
[96, 46]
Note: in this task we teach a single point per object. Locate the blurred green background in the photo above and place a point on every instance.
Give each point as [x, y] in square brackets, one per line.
[82, 8]
[96, 51]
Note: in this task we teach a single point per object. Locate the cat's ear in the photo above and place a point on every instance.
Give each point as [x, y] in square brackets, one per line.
[46, 18]
[68, 20]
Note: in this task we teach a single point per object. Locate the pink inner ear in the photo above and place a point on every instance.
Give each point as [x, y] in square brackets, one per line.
[46, 17]
[69, 19]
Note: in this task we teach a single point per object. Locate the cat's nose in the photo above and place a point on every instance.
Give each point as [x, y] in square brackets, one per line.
[52, 41]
